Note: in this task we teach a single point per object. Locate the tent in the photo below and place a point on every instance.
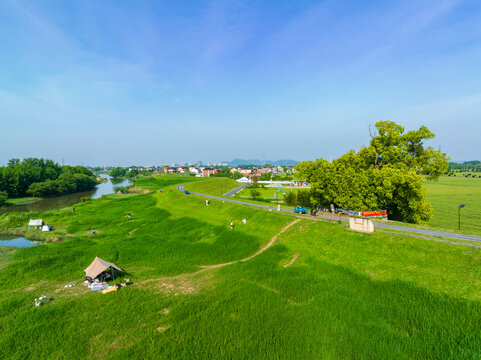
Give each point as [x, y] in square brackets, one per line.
[98, 266]
[46, 228]
[243, 180]
[37, 222]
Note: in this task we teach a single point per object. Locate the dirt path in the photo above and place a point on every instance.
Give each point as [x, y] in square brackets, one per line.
[189, 283]
[268, 245]
[296, 255]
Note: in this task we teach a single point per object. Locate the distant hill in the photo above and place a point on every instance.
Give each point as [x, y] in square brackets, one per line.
[237, 162]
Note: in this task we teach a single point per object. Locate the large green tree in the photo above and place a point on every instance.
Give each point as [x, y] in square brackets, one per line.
[43, 177]
[117, 172]
[386, 175]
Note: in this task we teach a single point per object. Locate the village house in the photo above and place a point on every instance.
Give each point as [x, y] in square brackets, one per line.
[209, 171]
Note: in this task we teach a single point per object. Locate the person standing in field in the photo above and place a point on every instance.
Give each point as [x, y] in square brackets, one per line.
[244, 221]
[231, 225]
[206, 202]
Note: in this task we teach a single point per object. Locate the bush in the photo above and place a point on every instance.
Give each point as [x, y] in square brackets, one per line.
[302, 197]
[290, 198]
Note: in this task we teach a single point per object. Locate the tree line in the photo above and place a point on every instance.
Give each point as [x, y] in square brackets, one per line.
[43, 177]
[386, 175]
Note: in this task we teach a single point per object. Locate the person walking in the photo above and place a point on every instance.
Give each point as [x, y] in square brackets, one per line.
[231, 225]
[206, 202]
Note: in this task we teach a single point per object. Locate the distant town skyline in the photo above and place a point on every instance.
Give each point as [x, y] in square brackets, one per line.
[122, 83]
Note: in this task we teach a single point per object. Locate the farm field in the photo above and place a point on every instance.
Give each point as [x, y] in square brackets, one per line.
[447, 194]
[318, 292]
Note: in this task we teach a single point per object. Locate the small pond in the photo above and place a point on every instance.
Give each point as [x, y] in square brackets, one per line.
[18, 242]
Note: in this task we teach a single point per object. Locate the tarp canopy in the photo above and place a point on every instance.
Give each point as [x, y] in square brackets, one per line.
[37, 222]
[98, 266]
[243, 180]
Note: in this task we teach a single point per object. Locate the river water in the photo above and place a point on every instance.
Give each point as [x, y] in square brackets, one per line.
[60, 202]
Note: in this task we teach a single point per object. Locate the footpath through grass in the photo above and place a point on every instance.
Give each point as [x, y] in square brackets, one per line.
[344, 295]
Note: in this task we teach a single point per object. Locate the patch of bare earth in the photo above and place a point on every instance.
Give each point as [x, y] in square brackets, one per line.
[163, 328]
[296, 255]
[132, 231]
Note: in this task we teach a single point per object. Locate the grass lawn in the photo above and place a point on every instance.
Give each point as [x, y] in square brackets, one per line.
[447, 194]
[319, 292]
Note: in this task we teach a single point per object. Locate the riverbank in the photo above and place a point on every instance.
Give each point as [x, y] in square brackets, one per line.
[198, 285]
[106, 186]
[20, 201]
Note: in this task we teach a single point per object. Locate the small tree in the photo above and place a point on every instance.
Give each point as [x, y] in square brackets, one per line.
[255, 194]
[3, 197]
[255, 181]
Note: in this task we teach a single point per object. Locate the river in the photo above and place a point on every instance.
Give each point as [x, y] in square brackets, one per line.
[60, 202]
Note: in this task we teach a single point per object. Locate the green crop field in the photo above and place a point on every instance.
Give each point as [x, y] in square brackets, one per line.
[447, 194]
[318, 292]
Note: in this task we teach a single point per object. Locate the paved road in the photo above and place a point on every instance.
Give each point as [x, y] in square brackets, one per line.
[344, 219]
[235, 191]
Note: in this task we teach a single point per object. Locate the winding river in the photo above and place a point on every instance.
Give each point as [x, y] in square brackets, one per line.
[60, 202]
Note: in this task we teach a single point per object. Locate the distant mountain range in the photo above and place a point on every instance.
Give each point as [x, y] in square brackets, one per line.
[238, 162]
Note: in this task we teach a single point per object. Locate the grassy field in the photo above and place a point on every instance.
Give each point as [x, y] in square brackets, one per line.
[213, 186]
[447, 194]
[344, 295]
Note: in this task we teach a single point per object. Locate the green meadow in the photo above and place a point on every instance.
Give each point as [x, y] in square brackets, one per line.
[213, 186]
[204, 291]
[447, 194]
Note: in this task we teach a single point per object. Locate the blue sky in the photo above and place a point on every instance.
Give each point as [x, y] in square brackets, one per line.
[124, 82]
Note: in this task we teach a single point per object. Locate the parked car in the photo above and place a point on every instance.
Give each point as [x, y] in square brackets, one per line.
[301, 210]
